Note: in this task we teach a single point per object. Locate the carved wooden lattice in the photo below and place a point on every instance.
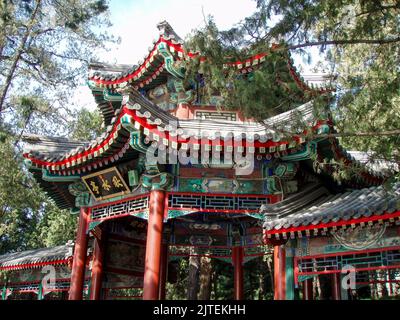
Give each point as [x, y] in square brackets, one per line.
[357, 260]
[215, 203]
[130, 206]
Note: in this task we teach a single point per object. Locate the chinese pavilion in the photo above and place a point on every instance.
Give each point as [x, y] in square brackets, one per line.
[172, 172]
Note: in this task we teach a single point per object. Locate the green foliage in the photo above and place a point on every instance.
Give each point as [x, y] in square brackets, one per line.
[265, 91]
[87, 125]
[257, 280]
[45, 48]
[28, 218]
[359, 48]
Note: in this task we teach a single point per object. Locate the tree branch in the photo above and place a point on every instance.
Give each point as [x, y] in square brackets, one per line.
[339, 42]
[357, 134]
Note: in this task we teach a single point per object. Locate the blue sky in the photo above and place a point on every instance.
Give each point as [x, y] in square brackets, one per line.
[135, 21]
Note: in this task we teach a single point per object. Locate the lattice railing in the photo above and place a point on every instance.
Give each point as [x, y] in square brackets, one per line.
[129, 206]
[179, 202]
[357, 260]
[208, 202]
[34, 287]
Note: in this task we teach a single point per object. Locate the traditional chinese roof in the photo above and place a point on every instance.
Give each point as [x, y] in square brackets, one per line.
[157, 124]
[53, 158]
[152, 70]
[132, 122]
[51, 147]
[36, 257]
[315, 210]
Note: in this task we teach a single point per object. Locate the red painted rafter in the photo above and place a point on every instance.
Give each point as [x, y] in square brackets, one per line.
[34, 265]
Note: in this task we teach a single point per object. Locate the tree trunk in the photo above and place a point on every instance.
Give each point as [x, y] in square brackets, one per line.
[205, 278]
[193, 281]
[270, 271]
[18, 54]
[215, 282]
[261, 282]
[317, 288]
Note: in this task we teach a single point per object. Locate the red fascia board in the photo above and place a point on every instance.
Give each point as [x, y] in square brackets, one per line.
[165, 135]
[177, 47]
[230, 142]
[133, 74]
[34, 265]
[336, 224]
[251, 59]
[82, 154]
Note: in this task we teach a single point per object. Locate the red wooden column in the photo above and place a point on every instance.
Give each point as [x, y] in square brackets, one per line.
[79, 261]
[336, 286]
[163, 270]
[279, 273]
[308, 289]
[97, 267]
[153, 245]
[237, 260]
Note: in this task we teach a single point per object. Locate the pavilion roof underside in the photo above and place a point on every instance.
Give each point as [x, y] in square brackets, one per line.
[315, 208]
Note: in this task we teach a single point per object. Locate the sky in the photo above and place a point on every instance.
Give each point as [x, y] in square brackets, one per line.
[135, 22]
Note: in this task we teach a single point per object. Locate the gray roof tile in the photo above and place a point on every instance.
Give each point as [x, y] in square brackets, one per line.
[309, 207]
[37, 255]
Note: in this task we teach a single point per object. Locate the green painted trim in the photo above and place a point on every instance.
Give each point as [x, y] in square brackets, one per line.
[289, 278]
[46, 176]
[303, 154]
[40, 291]
[165, 181]
[303, 278]
[88, 289]
[109, 96]
[93, 225]
[256, 216]
[74, 211]
[169, 61]
[178, 213]
[136, 138]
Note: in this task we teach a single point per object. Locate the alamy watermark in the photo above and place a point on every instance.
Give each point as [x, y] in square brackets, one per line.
[230, 151]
